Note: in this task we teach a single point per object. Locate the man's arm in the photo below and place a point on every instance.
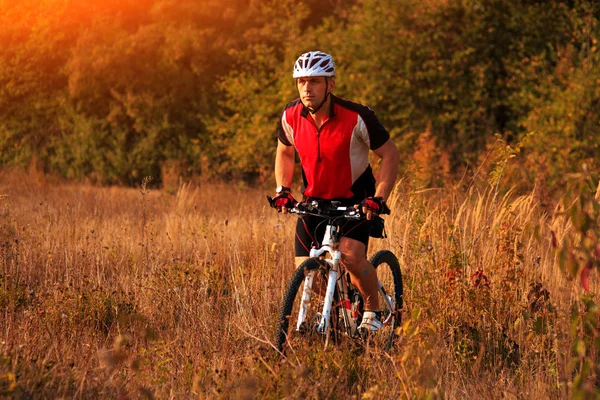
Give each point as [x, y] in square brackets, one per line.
[390, 159]
[284, 164]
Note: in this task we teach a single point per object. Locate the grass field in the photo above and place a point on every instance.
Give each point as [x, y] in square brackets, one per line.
[137, 293]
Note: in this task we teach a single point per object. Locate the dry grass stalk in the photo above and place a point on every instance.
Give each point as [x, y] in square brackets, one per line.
[107, 292]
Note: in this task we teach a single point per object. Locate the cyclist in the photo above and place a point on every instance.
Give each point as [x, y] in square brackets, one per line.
[333, 137]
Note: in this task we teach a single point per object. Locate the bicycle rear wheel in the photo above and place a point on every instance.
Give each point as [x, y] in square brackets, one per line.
[286, 334]
[389, 274]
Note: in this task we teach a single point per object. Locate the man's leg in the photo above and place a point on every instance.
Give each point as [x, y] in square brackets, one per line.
[361, 271]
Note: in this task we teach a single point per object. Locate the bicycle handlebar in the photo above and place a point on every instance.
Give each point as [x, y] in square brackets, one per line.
[325, 208]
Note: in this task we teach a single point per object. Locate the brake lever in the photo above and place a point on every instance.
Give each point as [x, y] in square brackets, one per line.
[355, 214]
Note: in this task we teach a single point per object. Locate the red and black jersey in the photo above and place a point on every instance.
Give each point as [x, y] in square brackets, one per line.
[334, 158]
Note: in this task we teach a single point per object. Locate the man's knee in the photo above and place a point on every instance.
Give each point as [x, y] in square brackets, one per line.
[352, 260]
[353, 253]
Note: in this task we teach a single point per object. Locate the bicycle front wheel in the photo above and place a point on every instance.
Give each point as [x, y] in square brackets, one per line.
[390, 293]
[287, 325]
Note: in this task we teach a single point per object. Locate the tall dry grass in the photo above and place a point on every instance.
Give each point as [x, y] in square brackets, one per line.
[137, 293]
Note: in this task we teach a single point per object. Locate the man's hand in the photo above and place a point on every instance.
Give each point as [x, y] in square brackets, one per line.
[283, 202]
[373, 206]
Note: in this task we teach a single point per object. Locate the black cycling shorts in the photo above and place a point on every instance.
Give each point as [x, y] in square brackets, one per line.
[311, 229]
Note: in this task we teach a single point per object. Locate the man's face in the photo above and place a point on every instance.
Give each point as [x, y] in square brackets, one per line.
[312, 89]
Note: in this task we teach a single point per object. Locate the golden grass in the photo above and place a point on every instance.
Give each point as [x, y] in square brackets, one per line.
[115, 292]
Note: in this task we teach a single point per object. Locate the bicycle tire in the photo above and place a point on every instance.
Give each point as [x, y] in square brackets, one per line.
[391, 278]
[289, 299]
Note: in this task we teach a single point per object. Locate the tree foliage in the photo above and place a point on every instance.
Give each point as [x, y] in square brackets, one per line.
[113, 91]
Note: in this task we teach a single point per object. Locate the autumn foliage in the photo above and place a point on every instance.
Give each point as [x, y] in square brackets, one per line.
[110, 92]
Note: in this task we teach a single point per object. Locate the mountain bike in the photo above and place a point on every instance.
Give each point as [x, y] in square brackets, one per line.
[339, 313]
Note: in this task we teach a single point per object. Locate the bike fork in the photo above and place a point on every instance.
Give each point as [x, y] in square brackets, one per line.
[324, 324]
[306, 291]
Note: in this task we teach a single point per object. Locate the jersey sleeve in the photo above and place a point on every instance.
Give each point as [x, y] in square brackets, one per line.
[284, 131]
[378, 135]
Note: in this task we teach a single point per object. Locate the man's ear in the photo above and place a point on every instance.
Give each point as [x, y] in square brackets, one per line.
[331, 84]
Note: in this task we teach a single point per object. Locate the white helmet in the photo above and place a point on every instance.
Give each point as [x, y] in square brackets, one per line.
[314, 63]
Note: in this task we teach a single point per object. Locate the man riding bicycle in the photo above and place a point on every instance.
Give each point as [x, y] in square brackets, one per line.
[333, 137]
